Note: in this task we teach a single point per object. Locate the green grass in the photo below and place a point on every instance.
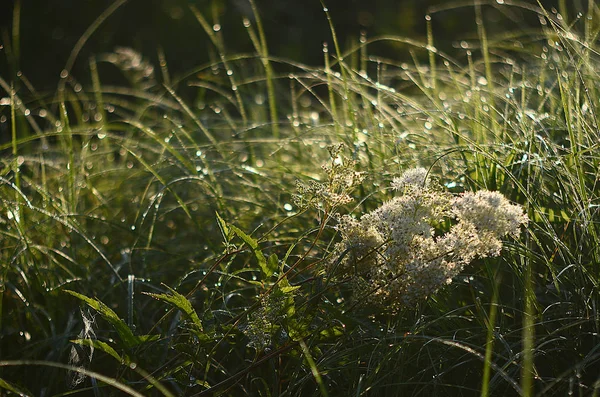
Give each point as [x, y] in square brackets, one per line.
[171, 219]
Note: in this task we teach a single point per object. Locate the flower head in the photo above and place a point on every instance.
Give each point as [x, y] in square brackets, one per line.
[397, 255]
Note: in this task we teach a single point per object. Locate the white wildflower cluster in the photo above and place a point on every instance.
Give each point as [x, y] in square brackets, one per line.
[396, 255]
[335, 191]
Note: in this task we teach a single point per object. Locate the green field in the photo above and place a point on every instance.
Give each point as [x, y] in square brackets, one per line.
[258, 226]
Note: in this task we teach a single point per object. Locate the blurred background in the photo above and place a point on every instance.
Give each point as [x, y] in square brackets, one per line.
[295, 29]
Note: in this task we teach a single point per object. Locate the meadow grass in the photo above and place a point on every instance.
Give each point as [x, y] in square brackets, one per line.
[153, 240]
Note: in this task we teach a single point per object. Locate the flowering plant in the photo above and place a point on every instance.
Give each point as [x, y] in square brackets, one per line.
[395, 256]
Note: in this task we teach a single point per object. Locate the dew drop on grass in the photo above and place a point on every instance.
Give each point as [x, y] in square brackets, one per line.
[287, 207]
[216, 27]
[246, 22]
[133, 365]
[64, 74]
[325, 9]
[132, 227]
[101, 135]
[229, 72]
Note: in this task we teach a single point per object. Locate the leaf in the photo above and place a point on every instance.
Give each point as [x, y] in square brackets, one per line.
[285, 287]
[13, 388]
[253, 244]
[129, 339]
[272, 264]
[147, 338]
[180, 302]
[332, 332]
[224, 228]
[287, 290]
[103, 346]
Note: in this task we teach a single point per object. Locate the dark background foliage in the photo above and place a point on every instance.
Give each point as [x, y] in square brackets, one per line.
[295, 29]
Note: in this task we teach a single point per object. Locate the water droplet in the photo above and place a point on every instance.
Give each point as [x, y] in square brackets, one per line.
[64, 74]
[246, 22]
[216, 27]
[101, 135]
[133, 365]
[325, 9]
[287, 207]
[229, 72]
[428, 17]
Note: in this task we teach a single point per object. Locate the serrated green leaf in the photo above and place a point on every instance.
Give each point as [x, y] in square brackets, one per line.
[287, 290]
[253, 244]
[127, 336]
[272, 264]
[103, 346]
[285, 286]
[224, 228]
[180, 302]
